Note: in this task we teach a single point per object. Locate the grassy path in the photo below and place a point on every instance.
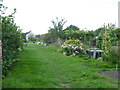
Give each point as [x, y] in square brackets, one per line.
[44, 68]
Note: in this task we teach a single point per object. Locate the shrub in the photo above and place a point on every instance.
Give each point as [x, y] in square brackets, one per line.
[112, 56]
[72, 47]
[32, 39]
[109, 53]
[11, 42]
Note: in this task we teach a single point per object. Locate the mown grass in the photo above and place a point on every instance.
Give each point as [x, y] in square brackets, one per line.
[43, 67]
[31, 44]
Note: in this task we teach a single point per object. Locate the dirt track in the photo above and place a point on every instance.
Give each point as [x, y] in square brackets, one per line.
[115, 74]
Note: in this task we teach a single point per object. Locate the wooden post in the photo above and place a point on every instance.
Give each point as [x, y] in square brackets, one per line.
[116, 66]
[94, 54]
[0, 64]
[0, 51]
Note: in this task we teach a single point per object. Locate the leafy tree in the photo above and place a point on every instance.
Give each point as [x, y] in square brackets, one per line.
[33, 39]
[47, 37]
[78, 34]
[38, 36]
[98, 31]
[69, 34]
[57, 30]
[72, 27]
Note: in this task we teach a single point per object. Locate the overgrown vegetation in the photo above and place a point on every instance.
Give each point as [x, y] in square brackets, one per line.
[32, 39]
[57, 30]
[109, 39]
[103, 38]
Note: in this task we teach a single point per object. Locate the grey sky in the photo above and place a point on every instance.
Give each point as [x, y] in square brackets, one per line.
[36, 15]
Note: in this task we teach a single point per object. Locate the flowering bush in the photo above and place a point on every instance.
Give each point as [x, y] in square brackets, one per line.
[72, 48]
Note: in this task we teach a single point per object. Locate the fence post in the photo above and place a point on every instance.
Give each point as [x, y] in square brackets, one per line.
[0, 64]
[94, 54]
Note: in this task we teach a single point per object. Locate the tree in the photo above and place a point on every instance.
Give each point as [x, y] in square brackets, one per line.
[72, 27]
[57, 30]
[47, 37]
[32, 39]
[99, 30]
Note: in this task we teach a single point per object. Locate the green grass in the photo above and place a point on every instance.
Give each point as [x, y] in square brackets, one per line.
[43, 67]
[31, 44]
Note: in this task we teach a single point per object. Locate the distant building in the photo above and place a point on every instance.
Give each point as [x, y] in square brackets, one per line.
[27, 35]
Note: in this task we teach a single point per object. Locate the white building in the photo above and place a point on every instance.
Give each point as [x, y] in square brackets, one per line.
[29, 34]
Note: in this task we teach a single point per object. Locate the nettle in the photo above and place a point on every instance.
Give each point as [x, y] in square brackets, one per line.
[72, 47]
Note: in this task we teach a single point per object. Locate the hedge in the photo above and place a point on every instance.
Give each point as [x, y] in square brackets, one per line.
[11, 42]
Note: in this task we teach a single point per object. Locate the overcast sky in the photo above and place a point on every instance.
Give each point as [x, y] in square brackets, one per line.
[36, 15]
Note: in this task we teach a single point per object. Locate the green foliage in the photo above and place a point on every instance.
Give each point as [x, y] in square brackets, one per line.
[98, 31]
[109, 29]
[109, 39]
[75, 42]
[47, 37]
[69, 34]
[11, 42]
[78, 34]
[33, 39]
[117, 31]
[113, 37]
[72, 27]
[113, 57]
[57, 30]
[39, 37]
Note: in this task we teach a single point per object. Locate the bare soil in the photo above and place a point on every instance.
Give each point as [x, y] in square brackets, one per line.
[115, 74]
